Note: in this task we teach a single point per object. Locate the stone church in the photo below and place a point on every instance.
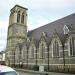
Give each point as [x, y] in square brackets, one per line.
[51, 46]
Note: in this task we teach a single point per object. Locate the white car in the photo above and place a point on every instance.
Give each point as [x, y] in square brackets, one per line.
[5, 70]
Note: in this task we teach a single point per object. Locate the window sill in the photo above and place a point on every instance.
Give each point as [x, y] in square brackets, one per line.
[56, 56]
[41, 58]
[72, 56]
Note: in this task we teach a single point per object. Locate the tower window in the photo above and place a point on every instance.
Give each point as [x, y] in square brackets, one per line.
[22, 18]
[18, 16]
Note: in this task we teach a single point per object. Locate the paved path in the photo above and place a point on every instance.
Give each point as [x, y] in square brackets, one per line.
[30, 72]
[22, 73]
[51, 73]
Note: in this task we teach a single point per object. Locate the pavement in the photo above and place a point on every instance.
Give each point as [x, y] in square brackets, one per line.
[31, 72]
[23, 73]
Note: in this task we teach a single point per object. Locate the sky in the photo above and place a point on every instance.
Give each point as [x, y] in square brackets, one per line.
[40, 12]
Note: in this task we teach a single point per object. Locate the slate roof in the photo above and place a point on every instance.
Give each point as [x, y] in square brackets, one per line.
[2, 52]
[50, 27]
[18, 6]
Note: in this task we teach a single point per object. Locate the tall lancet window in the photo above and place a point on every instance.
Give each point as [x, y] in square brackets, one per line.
[32, 52]
[42, 51]
[65, 30]
[18, 17]
[55, 49]
[22, 18]
[72, 47]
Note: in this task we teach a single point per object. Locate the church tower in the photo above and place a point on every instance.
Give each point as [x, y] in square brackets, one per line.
[17, 31]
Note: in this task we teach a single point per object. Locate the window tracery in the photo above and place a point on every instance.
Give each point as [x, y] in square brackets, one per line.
[22, 18]
[18, 17]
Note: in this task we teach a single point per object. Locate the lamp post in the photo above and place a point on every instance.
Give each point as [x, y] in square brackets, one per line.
[63, 57]
[27, 58]
[48, 58]
[20, 47]
[36, 58]
[14, 59]
[8, 62]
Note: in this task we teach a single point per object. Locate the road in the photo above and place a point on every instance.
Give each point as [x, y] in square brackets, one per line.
[22, 73]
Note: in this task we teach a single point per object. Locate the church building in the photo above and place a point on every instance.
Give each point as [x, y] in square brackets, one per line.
[51, 46]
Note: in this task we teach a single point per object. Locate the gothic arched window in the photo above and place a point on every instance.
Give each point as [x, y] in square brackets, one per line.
[31, 53]
[42, 51]
[18, 16]
[55, 49]
[65, 29]
[72, 47]
[22, 18]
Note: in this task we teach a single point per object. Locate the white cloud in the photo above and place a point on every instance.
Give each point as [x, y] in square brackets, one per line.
[39, 21]
[55, 4]
[40, 12]
[44, 11]
[3, 34]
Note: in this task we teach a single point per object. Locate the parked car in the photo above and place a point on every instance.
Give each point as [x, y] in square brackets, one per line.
[5, 70]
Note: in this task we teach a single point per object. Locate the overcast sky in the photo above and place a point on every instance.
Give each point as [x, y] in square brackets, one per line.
[40, 12]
